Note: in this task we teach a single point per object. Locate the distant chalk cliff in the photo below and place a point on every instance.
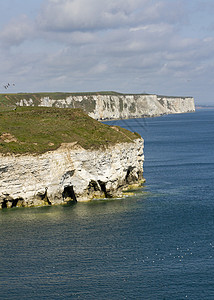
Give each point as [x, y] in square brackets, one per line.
[116, 106]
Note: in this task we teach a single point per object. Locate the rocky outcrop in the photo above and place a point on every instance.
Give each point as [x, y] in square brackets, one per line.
[103, 107]
[69, 173]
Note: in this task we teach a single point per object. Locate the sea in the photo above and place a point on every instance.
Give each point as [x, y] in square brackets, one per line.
[156, 243]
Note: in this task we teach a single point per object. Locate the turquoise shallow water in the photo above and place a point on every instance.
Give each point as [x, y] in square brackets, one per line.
[158, 244]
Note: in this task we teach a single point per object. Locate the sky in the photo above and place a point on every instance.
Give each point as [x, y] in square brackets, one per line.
[163, 47]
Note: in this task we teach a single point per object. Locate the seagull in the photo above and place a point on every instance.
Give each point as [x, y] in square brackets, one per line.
[8, 85]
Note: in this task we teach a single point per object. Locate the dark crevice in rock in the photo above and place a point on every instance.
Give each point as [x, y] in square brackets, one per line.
[4, 204]
[4, 169]
[103, 188]
[69, 194]
[128, 178]
[44, 197]
[20, 202]
[67, 175]
[9, 202]
[140, 175]
[93, 186]
[14, 203]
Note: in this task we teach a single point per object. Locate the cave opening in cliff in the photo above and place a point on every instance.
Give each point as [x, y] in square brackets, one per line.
[14, 203]
[69, 194]
[128, 178]
[19, 202]
[93, 186]
[4, 204]
[44, 197]
[103, 188]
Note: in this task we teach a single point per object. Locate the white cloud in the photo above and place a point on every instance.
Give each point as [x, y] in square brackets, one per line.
[16, 32]
[71, 15]
[127, 45]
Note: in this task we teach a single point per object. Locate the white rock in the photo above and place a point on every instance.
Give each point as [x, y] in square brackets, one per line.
[102, 107]
[56, 176]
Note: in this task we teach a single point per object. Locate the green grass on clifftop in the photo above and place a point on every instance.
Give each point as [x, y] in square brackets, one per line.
[40, 129]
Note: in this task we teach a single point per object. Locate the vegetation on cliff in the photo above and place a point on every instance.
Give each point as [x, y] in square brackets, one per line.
[41, 129]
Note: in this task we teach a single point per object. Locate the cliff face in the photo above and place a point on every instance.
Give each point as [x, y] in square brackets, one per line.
[102, 107]
[69, 173]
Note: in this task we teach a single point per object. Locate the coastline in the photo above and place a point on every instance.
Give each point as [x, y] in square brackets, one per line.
[75, 158]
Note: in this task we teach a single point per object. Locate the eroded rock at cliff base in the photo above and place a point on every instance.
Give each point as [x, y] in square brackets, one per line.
[69, 174]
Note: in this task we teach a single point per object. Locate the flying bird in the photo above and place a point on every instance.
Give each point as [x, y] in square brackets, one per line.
[8, 85]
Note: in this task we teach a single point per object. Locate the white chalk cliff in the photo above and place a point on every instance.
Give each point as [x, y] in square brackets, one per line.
[69, 173]
[103, 107]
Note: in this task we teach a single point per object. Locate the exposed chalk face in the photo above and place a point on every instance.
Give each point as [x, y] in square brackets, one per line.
[69, 173]
[108, 107]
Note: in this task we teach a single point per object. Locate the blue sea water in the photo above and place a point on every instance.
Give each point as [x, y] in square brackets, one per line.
[158, 244]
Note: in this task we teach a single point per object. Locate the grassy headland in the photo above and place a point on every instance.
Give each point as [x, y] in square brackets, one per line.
[40, 129]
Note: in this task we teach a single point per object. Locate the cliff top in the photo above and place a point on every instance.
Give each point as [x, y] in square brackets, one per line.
[41, 129]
